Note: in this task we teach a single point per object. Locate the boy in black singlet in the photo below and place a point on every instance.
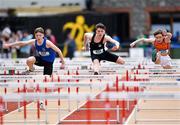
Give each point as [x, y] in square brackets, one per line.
[97, 42]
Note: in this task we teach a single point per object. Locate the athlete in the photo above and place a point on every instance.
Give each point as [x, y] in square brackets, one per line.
[161, 43]
[97, 43]
[46, 52]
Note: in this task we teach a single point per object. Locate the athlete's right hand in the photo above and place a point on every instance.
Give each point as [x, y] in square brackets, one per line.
[62, 65]
[6, 46]
[132, 44]
[83, 48]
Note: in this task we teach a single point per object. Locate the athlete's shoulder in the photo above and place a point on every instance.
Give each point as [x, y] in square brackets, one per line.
[48, 43]
[89, 34]
[107, 36]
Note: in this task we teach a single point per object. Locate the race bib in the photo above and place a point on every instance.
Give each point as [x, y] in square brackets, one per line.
[164, 51]
[100, 51]
[44, 53]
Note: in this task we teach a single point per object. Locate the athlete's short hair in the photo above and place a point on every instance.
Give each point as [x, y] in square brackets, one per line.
[159, 31]
[100, 25]
[39, 29]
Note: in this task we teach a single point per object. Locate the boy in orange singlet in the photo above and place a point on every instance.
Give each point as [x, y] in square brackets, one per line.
[161, 43]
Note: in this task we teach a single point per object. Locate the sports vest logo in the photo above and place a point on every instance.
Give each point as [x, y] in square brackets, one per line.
[44, 53]
[99, 51]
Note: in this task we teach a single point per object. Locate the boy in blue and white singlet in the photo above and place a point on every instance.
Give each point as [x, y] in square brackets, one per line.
[46, 52]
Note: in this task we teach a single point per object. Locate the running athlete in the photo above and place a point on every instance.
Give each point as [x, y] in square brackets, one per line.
[46, 52]
[161, 43]
[97, 43]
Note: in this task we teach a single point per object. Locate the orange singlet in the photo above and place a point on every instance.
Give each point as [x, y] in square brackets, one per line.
[161, 46]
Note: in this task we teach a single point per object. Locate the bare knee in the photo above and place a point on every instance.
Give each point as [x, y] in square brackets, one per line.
[96, 62]
[30, 61]
[120, 61]
[167, 67]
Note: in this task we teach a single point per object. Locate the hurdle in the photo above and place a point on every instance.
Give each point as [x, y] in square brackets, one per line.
[75, 77]
[104, 95]
[72, 77]
[143, 70]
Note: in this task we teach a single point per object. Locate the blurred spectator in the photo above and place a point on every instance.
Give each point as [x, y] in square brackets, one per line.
[1, 45]
[14, 49]
[50, 36]
[25, 50]
[116, 37]
[5, 38]
[71, 46]
[176, 37]
[19, 36]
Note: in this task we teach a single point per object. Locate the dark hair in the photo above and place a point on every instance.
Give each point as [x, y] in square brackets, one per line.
[100, 25]
[39, 29]
[157, 32]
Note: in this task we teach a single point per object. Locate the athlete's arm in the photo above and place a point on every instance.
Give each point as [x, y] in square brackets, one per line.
[87, 39]
[108, 38]
[49, 44]
[167, 36]
[146, 40]
[19, 43]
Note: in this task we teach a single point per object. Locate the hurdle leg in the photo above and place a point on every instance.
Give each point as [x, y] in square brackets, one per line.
[59, 113]
[128, 105]
[135, 113]
[19, 103]
[69, 105]
[25, 112]
[6, 103]
[38, 112]
[46, 109]
[118, 113]
[77, 102]
[1, 111]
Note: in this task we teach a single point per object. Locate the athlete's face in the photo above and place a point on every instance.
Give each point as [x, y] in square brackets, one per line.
[39, 36]
[100, 32]
[159, 37]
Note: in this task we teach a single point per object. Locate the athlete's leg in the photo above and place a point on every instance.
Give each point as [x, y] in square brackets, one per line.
[166, 62]
[167, 67]
[96, 65]
[113, 58]
[158, 60]
[48, 69]
[30, 62]
[120, 60]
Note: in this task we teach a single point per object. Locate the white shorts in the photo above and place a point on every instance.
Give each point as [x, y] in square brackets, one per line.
[165, 61]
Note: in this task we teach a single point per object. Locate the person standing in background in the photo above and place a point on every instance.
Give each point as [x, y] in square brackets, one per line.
[6, 38]
[25, 50]
[50, 36]
[71, 46]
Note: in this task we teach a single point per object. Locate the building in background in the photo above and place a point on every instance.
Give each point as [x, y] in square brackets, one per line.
[127, 18]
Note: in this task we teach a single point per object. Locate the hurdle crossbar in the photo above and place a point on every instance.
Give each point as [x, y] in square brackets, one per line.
[71, 77]
[75, 96]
